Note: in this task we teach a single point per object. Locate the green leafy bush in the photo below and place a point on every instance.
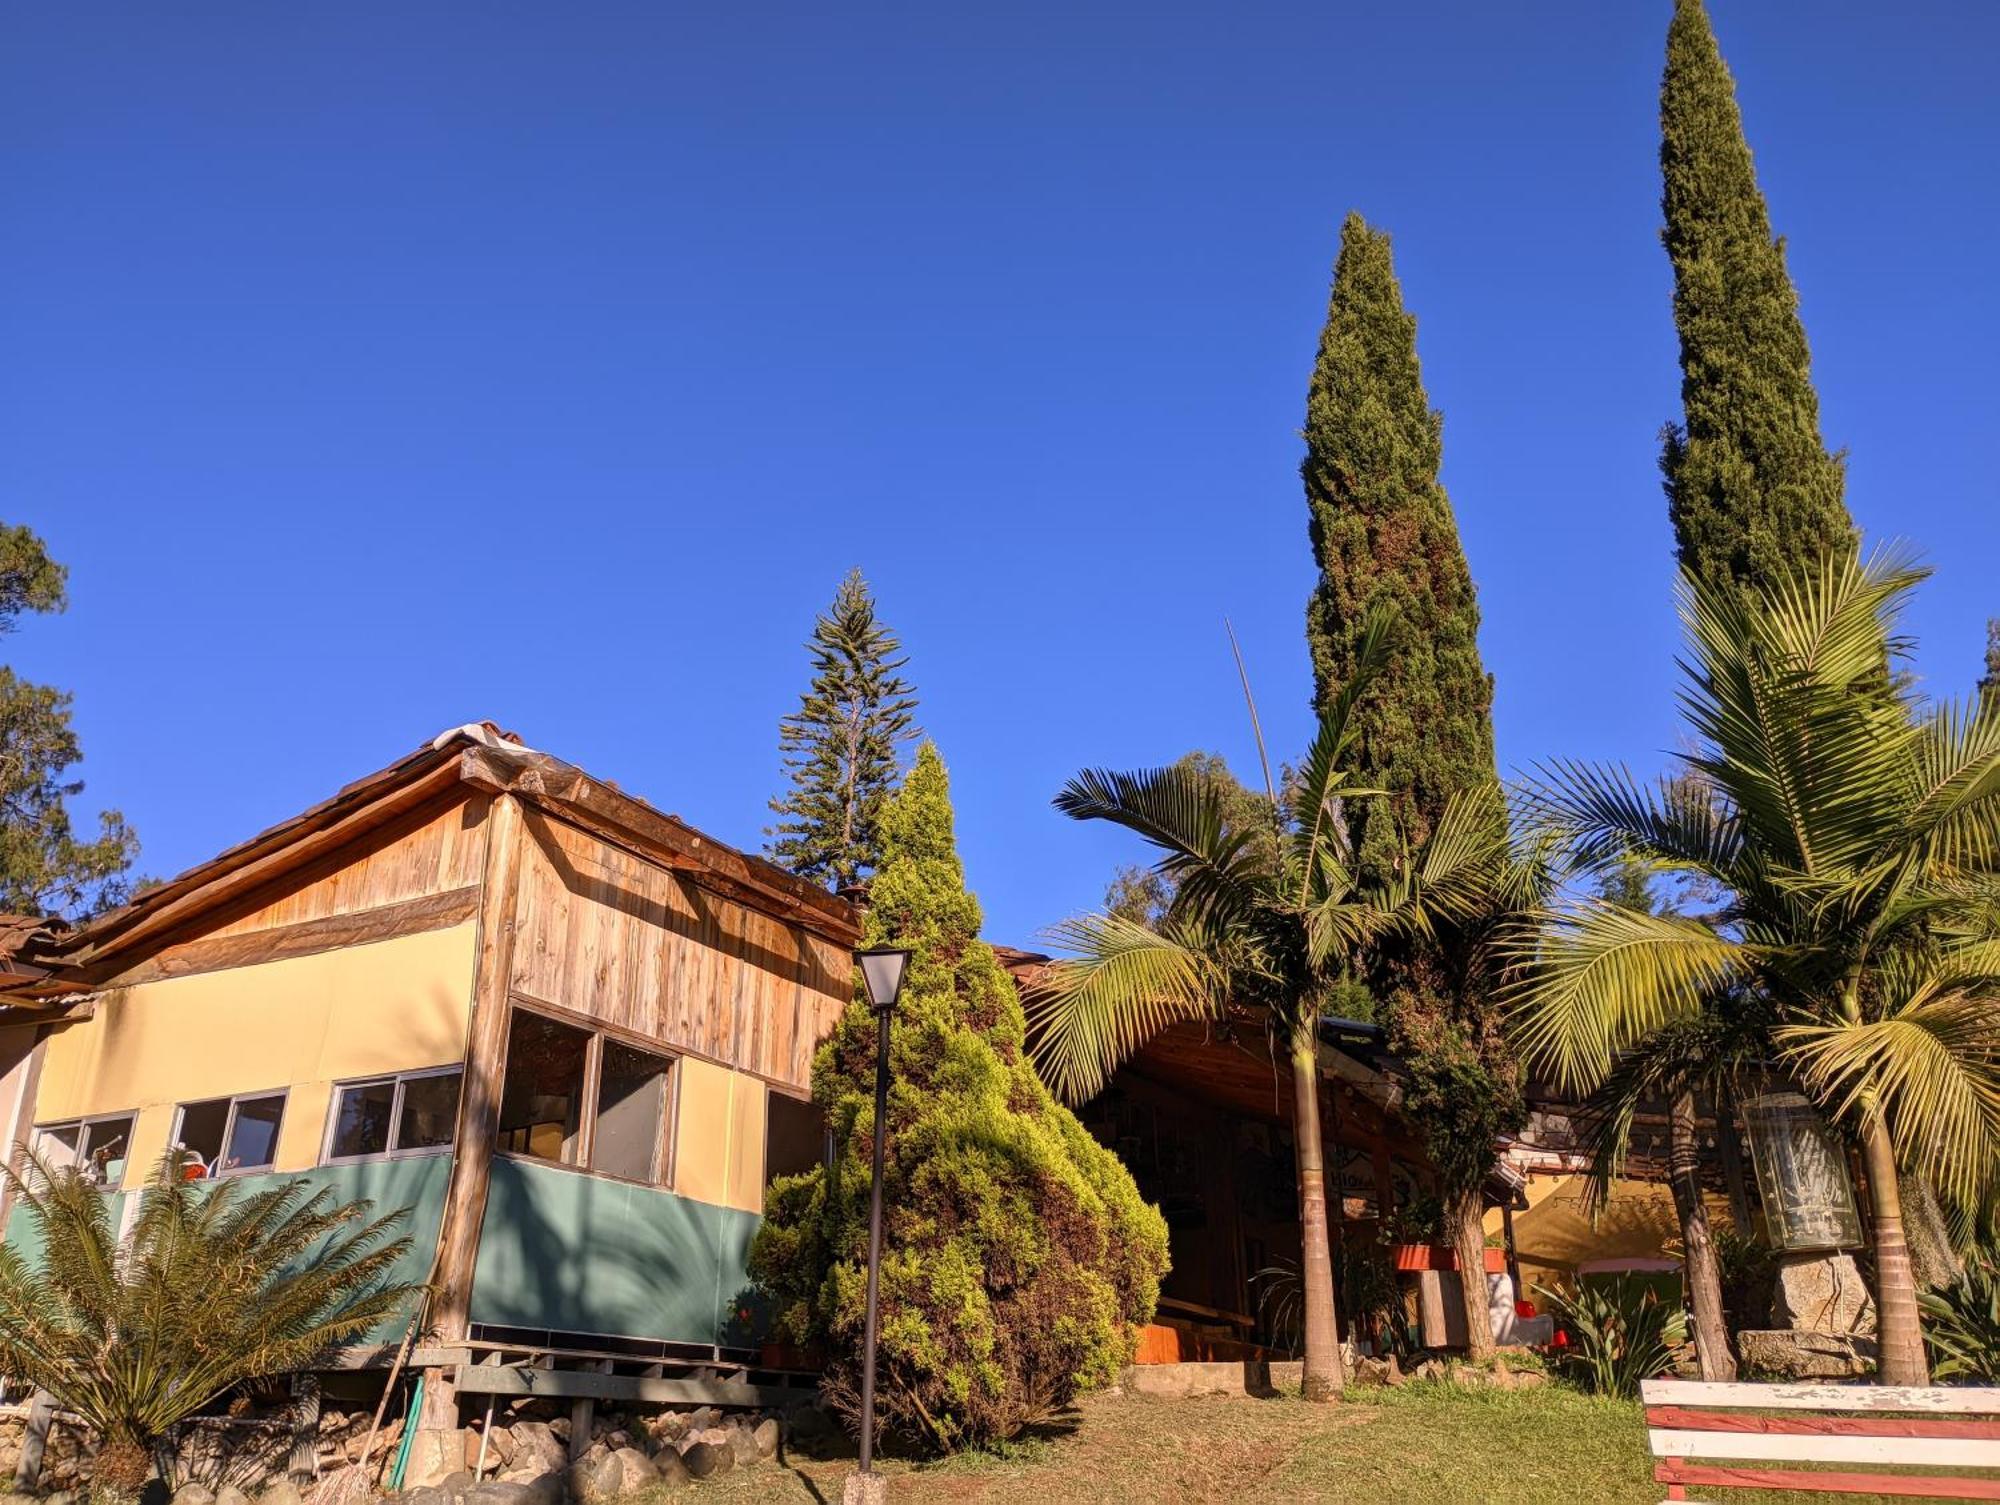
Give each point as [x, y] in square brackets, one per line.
[1019, 1258]
[1620, 1333]
[217, 1283]
[1962, 1325]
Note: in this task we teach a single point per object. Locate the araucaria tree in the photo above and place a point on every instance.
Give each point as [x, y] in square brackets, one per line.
[45, 869]
[841, 746]
[1751, 489]
[1019, 1259]
[214, 1284]
[1383, 535]
[1852, 834]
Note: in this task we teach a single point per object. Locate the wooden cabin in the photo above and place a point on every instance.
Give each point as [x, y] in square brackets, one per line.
[1202, 1116]
[571, 1034]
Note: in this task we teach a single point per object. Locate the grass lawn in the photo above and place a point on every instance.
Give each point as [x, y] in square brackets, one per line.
[1419, 1444]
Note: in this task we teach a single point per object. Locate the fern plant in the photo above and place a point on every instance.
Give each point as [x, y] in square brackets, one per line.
[1963, 1326]
[217, 1283]
[1621, 1332]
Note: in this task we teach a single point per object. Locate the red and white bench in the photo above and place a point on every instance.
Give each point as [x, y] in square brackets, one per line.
[1886, 1426]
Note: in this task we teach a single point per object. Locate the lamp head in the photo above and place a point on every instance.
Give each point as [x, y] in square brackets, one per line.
[882, 970]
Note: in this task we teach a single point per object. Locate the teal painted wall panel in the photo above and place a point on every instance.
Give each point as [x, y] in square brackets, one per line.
[416, 1184]
[577, 1253]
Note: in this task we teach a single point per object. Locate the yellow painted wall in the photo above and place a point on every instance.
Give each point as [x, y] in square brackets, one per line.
[302, 1024]
[719, 1138]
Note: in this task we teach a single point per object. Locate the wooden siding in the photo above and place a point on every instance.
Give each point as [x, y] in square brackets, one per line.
[607, 934]
[430, 851]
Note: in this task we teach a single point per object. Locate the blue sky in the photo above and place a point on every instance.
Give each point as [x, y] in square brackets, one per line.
[378, 368]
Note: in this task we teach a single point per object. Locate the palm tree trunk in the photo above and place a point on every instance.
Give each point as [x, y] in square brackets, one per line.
[1897, 1328]
[1325, 1376]
[1703, 1271]
[1465, 1226]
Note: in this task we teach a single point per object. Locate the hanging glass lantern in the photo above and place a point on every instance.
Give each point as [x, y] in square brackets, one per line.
[1801, 1175]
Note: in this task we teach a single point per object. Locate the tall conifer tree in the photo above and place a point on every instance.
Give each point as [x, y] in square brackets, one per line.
[1989, 682]
[1383, 533]
[1751, 489]
[841, 746]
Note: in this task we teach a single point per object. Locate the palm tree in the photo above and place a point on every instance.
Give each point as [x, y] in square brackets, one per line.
[216, 1284]
[1274, 920]
[1849, 833]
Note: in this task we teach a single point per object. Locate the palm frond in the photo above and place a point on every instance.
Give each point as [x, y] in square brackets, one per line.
[1214, 869]
[1122, 984]
[1594, 979]
[1315, 798]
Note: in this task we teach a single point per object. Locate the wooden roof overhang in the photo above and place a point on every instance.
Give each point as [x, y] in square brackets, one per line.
[57, 966]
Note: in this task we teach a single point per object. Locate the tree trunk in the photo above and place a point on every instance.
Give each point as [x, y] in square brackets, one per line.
[122, 1466]
[1465, 1226]
[1325, 1375]
[1901, 1337]
[1702, 1270]
[1933, 1262]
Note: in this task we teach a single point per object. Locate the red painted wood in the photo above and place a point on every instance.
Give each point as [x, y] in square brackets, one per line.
[1921, 1486]
[1806, 1424]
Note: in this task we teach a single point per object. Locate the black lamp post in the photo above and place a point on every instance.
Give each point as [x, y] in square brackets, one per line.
[882, 972]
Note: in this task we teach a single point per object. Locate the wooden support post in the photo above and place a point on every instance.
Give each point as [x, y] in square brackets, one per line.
[304, 1468]
[582, 1413]
[479, 1102]
[1513, 1253]
[35, 1441]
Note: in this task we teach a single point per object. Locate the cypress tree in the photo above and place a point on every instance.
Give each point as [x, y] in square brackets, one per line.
[1020, 1258]
[1989, 682]
[1383, 532]
[1752, 491]
[840, 747]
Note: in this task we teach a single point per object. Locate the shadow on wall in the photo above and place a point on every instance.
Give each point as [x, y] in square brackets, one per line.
[572, 1252]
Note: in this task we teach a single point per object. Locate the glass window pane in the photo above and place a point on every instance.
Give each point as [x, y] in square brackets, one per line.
[794, 1136]
[202, 1128]
[58, 1143]
[541, 1101]
[105, 1145]
[253, 1143]
[430, 1111]
[631, 1106]
[361, 1120]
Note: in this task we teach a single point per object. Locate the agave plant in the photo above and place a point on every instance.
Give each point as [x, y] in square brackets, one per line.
[1620, 1332]
[216, 1284]
[1850, 834]
[1273, 920]
[1964, 1326]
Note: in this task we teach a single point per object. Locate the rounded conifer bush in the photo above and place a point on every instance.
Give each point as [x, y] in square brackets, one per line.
[1018, 1257]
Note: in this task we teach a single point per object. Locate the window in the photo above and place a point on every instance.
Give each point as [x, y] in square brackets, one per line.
[555, 1071]
[394, 1115]
[100, 1145]
[232, 1133]
[795, 1135]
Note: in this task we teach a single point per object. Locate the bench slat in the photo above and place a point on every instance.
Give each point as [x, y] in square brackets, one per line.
[1807, 1425]
[1921, 1486]
[1941, 1452]
[1972, 1399]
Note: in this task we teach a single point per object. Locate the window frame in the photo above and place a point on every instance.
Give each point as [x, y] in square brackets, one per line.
[236, 1100]
[598, 1031]
[399, 1078]
[85, 1121]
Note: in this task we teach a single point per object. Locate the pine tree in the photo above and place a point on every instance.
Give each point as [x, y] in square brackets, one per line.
[840, 747]
[44, 868]
[1383, 533]
[1020, 1258]
[1751, 489]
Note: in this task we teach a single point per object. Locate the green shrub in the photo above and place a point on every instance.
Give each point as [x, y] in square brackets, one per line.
[216, 1284]
[1620, 1333]
[1019, 1258]
[1962, 1325]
